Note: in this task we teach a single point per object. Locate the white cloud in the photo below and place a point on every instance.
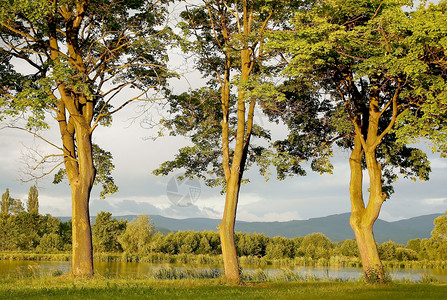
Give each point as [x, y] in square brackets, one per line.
[55, 205]
[282, 217]
[436, 201]
[244, 215]
[386, 216]
[438, 163]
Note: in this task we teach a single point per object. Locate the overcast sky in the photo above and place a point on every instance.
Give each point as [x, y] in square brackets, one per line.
[140, 192]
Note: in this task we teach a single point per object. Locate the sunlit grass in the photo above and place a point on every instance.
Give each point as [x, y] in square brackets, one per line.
[51, 286]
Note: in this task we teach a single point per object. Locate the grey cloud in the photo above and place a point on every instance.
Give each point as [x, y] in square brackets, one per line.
[99, 205]
[191, 211]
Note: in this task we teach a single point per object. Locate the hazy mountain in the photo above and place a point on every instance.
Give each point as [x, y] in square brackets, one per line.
[335, 227]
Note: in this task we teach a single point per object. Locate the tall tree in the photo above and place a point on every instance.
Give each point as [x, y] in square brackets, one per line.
[227, 39]
[76, 57]
[33, 200]
[6, 202]
[358, 55]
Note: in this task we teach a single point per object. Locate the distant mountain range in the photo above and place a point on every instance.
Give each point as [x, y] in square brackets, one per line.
[335, 227]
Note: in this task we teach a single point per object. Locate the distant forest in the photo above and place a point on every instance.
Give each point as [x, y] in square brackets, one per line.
[31, 231]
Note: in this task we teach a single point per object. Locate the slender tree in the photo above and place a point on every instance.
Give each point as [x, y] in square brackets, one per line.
[33, 200]
[358, 56]
[227, 39]
[76, 57]
[6, 202]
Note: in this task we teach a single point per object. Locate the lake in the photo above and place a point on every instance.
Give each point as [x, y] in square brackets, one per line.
[142, 269]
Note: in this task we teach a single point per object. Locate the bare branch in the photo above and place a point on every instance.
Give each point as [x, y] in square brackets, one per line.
[34, 134]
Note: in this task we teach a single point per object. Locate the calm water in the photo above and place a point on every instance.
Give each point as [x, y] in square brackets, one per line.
[141, 269]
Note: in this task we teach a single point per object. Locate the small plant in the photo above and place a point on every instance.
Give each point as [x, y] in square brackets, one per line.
[57, 273]
[257, 276]
[288, 275]
[428, 279]
[30, 271]
[172, 273]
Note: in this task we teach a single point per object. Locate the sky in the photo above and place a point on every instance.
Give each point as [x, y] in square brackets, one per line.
[136, 155]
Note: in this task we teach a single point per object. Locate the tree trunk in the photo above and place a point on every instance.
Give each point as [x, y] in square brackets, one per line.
[226, 230]
[82, 257]
[363, 230]
[372, 266]
[363, 218]
[81, 174]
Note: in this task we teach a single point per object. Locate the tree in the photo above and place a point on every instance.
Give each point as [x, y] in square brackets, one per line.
[11, 205]
[316, 245]
[227, 39]
[65, 231]
[6, 202]
[24, 231]
[388, 250]
[76, 57]
[439, 232]
[428, 33]
[33, 201]
[414, 244]
[349, 248]
[438, 238]
[8, 232]
[189, 243]
[138, 235]
[106, 231]
[204, 246]
[16, 206]
[50, 243]
[279, 247]
[359, 56]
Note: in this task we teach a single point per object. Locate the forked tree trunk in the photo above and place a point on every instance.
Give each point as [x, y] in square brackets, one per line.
[81, 175]
[363, 218]
[226, 230]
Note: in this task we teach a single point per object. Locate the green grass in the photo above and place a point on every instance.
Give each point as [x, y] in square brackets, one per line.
[64, 287]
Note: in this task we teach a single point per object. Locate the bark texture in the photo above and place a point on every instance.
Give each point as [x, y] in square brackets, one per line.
[363, 217]
[226, 231]
[81, 177]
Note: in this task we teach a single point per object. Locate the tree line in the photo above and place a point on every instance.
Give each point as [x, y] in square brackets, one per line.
[367, 76]
[30, 231]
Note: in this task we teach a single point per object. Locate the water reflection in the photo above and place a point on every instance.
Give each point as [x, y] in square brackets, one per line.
[142, 269]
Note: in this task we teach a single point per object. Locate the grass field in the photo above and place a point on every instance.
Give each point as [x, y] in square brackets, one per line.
[64, 287]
